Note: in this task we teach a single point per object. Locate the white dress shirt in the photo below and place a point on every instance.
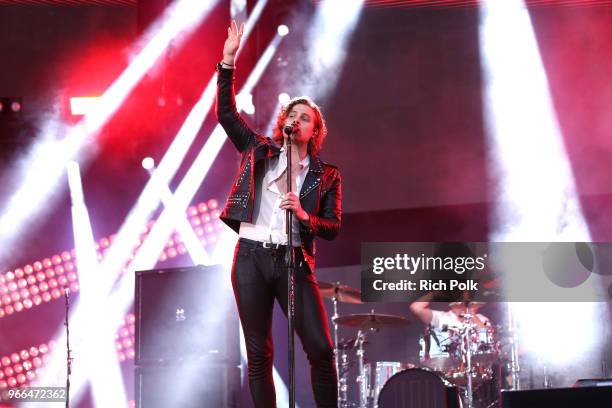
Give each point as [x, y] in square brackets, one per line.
[268, 218]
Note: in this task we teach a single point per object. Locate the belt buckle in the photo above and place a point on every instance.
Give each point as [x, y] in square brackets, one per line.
[270, 245]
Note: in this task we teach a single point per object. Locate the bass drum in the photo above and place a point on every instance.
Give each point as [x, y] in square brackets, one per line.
[418, 388]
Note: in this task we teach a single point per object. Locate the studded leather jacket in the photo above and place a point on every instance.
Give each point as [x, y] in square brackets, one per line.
[321, 192]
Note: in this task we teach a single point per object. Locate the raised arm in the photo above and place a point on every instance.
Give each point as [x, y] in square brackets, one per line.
[237, 130]
[422, 311]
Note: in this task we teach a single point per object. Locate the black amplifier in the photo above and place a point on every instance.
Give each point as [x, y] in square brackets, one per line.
[186, 314]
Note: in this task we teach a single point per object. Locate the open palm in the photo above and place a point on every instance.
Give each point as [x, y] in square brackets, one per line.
[232, 43]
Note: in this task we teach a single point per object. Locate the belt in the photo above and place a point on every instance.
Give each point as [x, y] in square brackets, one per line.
[258, 244]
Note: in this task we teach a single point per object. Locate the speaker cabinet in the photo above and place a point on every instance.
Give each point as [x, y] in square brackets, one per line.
[186, 314]
[591, 397]
[187, 385]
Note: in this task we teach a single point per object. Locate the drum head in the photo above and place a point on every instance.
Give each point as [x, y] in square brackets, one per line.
[418, 388]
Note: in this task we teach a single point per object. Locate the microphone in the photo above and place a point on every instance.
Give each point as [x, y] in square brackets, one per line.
[291, 129]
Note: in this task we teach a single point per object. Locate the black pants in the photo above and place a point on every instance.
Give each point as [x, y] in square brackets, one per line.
[258, 277]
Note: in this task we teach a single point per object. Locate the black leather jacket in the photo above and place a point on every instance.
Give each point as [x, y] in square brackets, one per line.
[321, 193]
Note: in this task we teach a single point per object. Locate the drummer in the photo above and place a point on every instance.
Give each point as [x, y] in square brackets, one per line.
[450, 319]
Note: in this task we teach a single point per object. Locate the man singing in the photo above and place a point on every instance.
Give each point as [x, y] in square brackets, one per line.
[256, 210]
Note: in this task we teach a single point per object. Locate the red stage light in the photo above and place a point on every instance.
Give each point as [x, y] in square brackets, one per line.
[9, 276]
[47, 263]
[37, 362]
[8, 371]
[3, 384]
[12, 286]
[40, 276]
[202, 207]
[121, 356]
[3, 290]
[69, 266]
[11, 381]
[212, 204]
[172, 252]
[52, 283]
[56, 293]
[17, 368]
[31, 279]
[62, 280]
[27, 303]
[22, 283]
[25, 293]
[30, 375]
[34, 290]
[37, 300]
[43, 348]
[191, 211]
[27, 365]
[72, 276]
[24, 355]
[18, 307]
[50, 273]
[43, 286]
[19, 273]
[15, 296]
[37, 266]
[28, 269]
[59, 270]
[46, 296]
[74, 287]
[21, 378]
[33, 351]
[6, 299]
[66, 256]
[130, 318]
[6, 361]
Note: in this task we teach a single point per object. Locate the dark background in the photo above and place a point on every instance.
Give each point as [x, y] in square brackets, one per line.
[405, 127]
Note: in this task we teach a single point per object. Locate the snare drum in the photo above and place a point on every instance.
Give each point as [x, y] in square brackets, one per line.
[439, 350]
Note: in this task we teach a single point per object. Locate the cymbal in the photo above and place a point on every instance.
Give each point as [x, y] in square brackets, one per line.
[342, 293]
[371, 320]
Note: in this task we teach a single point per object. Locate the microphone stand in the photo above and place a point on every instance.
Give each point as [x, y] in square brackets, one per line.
[68, 351]
[289, 262]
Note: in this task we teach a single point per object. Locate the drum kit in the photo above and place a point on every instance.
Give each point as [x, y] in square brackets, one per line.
[455, 360]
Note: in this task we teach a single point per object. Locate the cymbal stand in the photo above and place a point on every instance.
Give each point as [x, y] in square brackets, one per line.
[467, 343]
[515, 369]
[342, 381]
[361, 379]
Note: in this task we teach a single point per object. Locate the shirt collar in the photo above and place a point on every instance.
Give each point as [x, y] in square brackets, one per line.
[305, 162]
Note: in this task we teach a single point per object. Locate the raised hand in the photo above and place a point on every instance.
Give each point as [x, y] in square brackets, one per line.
[232, 43]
